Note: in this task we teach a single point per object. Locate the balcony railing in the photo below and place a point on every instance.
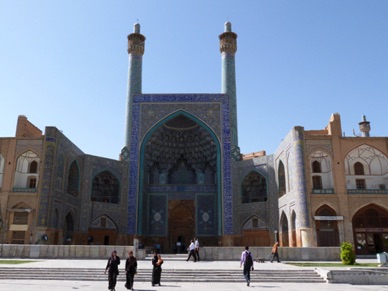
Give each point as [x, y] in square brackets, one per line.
[367, 191]
[15, 189]
[322, 191]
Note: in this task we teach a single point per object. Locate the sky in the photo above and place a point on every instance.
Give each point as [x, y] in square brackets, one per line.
[65, 64]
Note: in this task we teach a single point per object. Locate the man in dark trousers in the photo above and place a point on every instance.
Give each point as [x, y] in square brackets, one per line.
[247, 261]
[113, 270]
[275, 252]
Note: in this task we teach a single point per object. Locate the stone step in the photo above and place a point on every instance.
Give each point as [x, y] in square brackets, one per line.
[168, 275]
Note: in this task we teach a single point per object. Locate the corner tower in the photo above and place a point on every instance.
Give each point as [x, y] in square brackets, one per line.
[136, 43]
[228, 48]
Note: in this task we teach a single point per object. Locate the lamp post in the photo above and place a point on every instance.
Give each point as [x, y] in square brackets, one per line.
[276, 235]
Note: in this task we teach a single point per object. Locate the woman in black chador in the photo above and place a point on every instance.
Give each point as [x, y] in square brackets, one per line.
[113, 270]
[157, 269]
[130, 270]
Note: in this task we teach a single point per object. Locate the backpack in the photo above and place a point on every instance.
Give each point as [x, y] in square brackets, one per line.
[248, 260]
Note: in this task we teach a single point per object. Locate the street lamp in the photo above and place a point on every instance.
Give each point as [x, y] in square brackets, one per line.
[276, 235]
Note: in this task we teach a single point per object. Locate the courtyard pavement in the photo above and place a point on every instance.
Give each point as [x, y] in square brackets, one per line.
[233, 266]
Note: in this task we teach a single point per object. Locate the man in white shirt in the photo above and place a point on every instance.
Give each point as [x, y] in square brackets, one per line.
[191, 250]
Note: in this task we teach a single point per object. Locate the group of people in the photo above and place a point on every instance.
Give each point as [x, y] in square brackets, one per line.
[112, 267]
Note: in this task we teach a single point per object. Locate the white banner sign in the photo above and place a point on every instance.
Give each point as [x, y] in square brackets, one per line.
[328, 217]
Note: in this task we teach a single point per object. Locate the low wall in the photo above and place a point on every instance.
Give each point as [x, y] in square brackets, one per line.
[66, 251]
[285, 253]
[206, 253]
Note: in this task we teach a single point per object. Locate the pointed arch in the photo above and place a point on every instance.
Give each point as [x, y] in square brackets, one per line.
[326, 227]
[321, 172]
[73, 179]
[293, 228]
[69, 227]
[370, 162]
[201, 162]
[103, 230]
[284, 230]
[281, 179]
[370, 224]
[105, 188]
[254, 188]
[26, 173]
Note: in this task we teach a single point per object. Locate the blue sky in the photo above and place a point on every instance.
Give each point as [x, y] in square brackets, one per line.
[64, 64]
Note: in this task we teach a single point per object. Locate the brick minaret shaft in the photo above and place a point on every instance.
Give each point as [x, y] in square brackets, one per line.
[228, 48]
[136, 43]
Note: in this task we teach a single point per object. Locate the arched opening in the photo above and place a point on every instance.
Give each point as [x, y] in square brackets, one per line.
[105, 188]
[68, 229]
[316, 166]
[73, 179]
[326, 227]
[181, 222]
[179, 161]
[293, 229]
[26, 174]
[281, 179]
[103, 231]
[33, 167]
[254, 188]
[284, 230]
[370, 229]
[255, 232]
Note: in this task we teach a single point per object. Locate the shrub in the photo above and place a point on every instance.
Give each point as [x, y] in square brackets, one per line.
[348, 257]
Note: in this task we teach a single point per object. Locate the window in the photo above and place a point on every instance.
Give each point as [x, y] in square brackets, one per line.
[31, 182]
[254, 188]
[316, 167]
[34, 167]
[360, 184]
[105, 188]
[317, 182]
[20, 218]
[358, 169]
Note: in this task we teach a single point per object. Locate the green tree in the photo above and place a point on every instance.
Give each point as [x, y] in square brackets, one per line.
[348, 257]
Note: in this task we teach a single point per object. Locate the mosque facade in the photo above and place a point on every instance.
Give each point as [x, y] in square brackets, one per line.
[181, 174]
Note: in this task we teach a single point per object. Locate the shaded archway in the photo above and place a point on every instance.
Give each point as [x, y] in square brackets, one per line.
[181, 223]
[68, 229]
[370, 229]
[180, 160]
[103, 230]
[326, 227]
[284, 231]
[293, 229]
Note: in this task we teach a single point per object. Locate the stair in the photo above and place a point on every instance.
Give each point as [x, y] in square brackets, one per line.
[168, 275]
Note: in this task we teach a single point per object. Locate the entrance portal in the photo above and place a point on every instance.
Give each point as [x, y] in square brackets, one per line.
[181, 222]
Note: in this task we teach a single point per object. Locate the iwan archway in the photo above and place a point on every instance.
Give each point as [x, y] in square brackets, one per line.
[180, 181]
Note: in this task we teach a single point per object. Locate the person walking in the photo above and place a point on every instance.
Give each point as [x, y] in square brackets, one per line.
[274, 252]
[191, 250]
[113, 270]
[196, 248]
[130, 270]
[157, 262]
[247, 261]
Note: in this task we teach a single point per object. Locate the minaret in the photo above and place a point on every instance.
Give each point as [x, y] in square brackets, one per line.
[228, 48]
[136, 43]
[364, 127]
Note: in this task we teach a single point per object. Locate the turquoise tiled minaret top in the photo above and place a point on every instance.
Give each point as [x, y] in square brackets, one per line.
[136, 43]
[228, 48]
